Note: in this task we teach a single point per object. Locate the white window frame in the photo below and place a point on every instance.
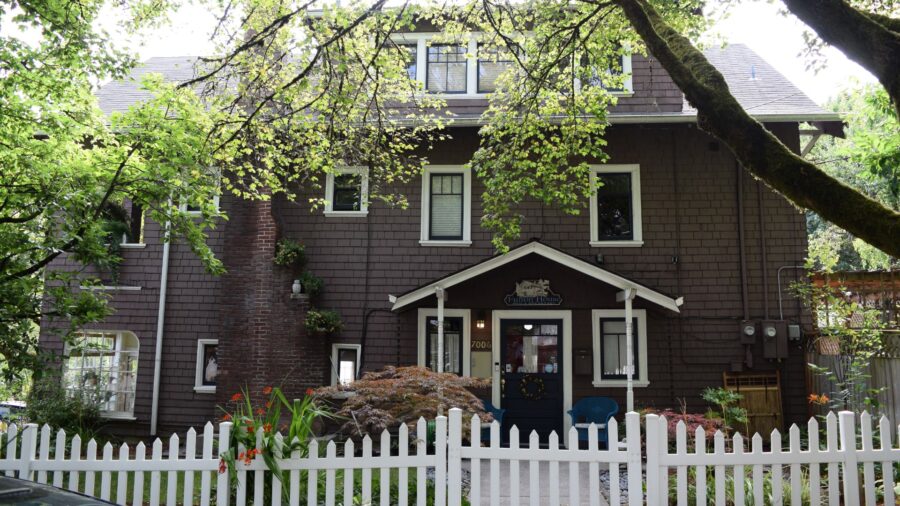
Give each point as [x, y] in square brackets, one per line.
[119, 335]
[636, 214]
[423, 39]
[199, 387]
[430, 312]
[335, 353]
[641, 316]
[426, 205]
[363, 172]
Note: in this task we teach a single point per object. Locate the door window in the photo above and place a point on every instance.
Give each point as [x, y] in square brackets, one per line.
[532, 348]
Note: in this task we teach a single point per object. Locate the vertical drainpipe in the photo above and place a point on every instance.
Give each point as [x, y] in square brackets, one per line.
[627, 296]
[160, 322]
[439, 292]
[745, 296]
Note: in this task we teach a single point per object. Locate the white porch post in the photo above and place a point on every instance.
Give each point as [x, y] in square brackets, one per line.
[627, 295]
[439, 293]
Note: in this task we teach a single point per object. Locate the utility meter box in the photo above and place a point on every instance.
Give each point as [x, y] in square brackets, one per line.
[748, 332]
[775, 339]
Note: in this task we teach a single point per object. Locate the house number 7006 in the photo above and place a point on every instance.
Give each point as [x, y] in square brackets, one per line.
[481, 345]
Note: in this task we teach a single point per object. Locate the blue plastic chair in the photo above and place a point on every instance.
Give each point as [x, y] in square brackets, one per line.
[598, 410]
[497, 413]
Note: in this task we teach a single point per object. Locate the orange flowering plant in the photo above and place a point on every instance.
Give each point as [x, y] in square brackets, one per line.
[268, 429]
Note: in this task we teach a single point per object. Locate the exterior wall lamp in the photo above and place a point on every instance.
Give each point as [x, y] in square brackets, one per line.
[479, 323]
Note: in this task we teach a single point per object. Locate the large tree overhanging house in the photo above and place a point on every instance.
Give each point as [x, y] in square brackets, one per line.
[679, 232]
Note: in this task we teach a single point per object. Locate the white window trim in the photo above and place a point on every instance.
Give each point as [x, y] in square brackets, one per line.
[183, 207]
[364, 192]
[466, 315]
[426, 205]
[116, 415]
[199, 387]
[641, 316]
[638, 232]
[335, 351]
[423, 39]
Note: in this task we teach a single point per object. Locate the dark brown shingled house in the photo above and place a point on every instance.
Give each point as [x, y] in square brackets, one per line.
[680, 234]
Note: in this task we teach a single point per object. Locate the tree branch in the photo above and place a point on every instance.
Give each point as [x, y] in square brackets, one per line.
[756, 148]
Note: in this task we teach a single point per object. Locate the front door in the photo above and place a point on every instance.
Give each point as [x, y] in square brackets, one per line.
[531, 385]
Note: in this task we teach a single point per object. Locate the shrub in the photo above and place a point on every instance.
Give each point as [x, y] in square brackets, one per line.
[732, 415]
[322, 322]
[290, 253]
[75, 412]
[385, 399]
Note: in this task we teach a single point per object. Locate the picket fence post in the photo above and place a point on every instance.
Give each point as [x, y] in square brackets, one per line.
[454, 458]
[29, 445]
[440, 464]
[653, 460]
[223, 487]
[633, 447]
[850, 465]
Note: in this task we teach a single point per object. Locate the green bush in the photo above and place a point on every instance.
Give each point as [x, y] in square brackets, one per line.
[322, 322]
[312, 285]
[75, 412]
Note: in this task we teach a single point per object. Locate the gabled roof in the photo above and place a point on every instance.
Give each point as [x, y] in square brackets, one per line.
[536, 247]
[768, 97]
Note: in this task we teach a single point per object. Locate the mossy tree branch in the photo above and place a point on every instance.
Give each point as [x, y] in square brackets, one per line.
[757, 149]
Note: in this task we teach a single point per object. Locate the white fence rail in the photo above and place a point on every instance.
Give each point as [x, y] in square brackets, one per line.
[839, 465]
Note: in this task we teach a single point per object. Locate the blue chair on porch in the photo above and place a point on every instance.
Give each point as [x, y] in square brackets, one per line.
[497, 413]
[598, 410]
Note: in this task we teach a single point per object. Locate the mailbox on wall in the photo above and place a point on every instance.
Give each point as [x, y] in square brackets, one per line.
[583, 362]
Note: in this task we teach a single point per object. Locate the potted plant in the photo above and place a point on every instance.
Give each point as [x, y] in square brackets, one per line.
[310, 284]
[289, 253]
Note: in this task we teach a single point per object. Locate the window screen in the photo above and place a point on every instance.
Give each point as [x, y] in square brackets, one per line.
[446, 70]
[613, 347]
[614, 208]
[492, 63]
[446, 213]
[347, 192]
[453, 341]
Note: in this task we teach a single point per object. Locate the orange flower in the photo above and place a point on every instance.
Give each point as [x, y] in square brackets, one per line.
[267, 390]
[236, 397]
[818, 399]
[260, 411]
[226, 417]
[268, 404]
[222, 466]
[309, 391]
[267, 427]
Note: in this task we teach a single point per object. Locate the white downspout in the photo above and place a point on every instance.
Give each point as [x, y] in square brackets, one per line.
[439, 293]
[160, 322]
[627, 296]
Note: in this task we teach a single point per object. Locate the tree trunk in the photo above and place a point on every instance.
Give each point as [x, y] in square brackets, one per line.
[756, 148]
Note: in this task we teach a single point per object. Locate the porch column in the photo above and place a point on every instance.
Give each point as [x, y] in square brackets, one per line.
[627, 295]
[439, 293]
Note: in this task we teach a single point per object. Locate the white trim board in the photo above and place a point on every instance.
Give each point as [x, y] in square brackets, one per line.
[549, 253]
[430, 312]
[518, 314]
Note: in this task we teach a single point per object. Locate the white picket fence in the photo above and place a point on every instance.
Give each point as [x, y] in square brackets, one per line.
[494, 470]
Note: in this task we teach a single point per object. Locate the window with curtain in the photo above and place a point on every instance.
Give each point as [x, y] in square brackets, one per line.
[613, 349]
[446, 213]
[102, 367]
[411, 51]
[446, 68]
[453, 342]
[615, 217]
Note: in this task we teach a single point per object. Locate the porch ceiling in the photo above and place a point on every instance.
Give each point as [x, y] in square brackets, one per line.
[538, 248]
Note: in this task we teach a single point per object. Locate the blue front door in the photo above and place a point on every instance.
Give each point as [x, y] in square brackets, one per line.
[531, 385]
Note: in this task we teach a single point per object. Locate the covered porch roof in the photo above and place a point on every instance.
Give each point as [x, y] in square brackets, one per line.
[535, 247]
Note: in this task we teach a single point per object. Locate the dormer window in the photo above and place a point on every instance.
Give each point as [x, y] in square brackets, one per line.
[447, 66]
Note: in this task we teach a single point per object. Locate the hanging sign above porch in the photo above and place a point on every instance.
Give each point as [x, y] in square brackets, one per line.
[533, 292]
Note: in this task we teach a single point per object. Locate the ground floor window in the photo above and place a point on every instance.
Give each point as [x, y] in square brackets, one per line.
[102, 366]
[456, 340]
[207, 366]
[610, 347]
[344, 363]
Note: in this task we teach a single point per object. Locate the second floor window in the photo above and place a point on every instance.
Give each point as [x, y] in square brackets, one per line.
[446, 207]
[411, 59]
[492, 63]
[616, 206]
[345, 191]
[446, 68]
